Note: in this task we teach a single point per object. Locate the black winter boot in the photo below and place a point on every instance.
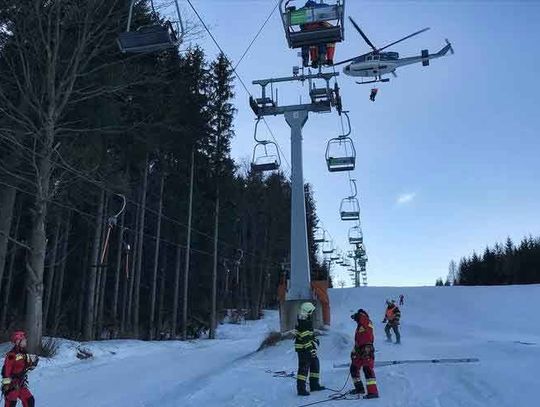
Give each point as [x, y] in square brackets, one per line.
[358, 388]
[316, 387]
[371, 396]
[301, 388]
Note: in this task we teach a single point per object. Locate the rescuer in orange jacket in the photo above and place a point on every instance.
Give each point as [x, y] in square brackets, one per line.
[363, 356]
[391, 319]
[14, 372]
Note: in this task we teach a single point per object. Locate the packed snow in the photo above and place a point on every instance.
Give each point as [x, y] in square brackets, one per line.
[498, 325]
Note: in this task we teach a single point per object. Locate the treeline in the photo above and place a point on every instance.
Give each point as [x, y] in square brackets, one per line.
[99, 154]
[500, 265]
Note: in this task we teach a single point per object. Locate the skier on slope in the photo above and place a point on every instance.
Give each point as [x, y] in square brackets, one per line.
[305, 345]
[363, 356]
[14, 372]
[391, 319]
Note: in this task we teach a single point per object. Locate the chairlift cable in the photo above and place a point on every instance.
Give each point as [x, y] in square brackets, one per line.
[237, 75]
[257, 35]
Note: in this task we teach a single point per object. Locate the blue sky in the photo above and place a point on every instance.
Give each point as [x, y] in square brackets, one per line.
[448, 155]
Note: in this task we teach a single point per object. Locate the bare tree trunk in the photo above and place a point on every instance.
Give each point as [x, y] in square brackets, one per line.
[174, 318]
[213, 316]
[102, 270]
[138, 271]
[118, 269]
[185, 298]
[82, 292]
[38, 243]
[49, 287]
[91, 286]
[7, 202]
[7, 287]
[61, 273]
[156, 262]
[129, 310]
[161, 294]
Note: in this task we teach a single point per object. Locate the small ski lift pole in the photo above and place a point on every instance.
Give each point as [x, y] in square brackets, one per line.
[112, 221]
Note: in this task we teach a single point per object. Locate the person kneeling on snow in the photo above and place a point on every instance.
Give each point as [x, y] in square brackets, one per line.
[391, 319]
[363, 356]
[305, 345]
[14, 372]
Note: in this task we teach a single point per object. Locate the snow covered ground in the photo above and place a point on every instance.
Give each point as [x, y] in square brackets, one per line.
[498, 325]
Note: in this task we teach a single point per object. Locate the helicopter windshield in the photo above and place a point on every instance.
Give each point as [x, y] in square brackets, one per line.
[389, 56]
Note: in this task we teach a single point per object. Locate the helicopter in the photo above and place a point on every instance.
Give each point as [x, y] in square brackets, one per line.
[375, 64]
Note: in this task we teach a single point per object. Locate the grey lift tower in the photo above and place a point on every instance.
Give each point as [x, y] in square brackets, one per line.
[322, 100]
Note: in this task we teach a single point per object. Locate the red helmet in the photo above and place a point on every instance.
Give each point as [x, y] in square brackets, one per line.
[17, 336]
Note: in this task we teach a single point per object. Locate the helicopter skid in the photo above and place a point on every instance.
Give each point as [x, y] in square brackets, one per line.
[374, 81]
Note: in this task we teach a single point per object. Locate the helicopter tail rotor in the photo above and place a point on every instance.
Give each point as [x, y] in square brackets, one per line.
[451, 48]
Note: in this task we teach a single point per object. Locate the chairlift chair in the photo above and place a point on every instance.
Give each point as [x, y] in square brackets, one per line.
[350, 209]
[319, 235]
[265, 157]
[265, 154]
[151, 38]
[328, 247]
[340, 151]
[296, 18]
[355, 235]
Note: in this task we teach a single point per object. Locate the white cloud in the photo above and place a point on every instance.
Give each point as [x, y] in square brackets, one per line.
[405, 198]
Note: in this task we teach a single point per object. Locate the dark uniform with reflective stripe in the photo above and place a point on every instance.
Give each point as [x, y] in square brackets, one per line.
[305, 345]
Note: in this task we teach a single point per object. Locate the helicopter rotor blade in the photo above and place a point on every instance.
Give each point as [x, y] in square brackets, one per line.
[404, 38]
[345, 61]
[366, 39]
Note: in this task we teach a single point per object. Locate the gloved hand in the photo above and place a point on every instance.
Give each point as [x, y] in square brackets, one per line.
[314, 352]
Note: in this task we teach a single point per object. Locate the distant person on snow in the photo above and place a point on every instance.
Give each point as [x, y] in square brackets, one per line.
[14, 372]
[373, 94]
[305, 345]
[401, 300]
[391, 319]
[363, 356]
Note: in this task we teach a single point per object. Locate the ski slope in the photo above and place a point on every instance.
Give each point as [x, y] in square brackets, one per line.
[498, 325]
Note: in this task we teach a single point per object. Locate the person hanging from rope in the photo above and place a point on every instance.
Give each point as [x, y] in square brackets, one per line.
[17, 364]
[363, 356]
[391, 319]
[305, 345]
[373, 94]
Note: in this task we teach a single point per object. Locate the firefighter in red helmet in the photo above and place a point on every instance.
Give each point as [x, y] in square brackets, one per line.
[363, 356]
[14, 372]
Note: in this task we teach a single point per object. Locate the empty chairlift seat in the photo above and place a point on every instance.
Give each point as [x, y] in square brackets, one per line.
[350, 209]
[355, 235]
[340, 154]
[265, 157]
[319, 235]
[307, 26]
